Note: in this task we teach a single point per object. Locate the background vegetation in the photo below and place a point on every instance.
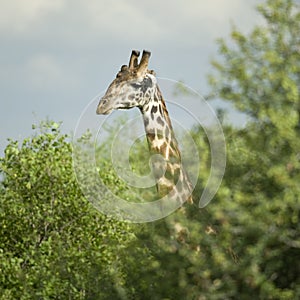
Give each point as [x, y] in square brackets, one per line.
[244, 244]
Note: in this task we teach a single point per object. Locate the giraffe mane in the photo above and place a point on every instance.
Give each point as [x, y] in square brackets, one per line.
[168, 120]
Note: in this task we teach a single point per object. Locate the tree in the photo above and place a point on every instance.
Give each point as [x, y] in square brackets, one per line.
[53, 243]
[260, 75]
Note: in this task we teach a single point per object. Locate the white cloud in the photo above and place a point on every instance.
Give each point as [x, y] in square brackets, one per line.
[19, 17]
[165, 21]
[152, 21]
[122, 19]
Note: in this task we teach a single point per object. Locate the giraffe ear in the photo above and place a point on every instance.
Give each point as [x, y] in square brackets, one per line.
[142, 68]
[133, 62]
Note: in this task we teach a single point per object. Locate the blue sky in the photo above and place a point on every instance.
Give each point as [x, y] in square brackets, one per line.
[56, 55]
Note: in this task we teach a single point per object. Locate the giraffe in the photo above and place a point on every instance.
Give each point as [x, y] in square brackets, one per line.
[136, 86]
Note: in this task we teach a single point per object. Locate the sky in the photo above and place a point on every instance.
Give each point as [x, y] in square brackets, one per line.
[57, 55]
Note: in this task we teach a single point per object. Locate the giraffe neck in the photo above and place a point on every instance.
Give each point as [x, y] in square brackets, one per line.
[168, 171]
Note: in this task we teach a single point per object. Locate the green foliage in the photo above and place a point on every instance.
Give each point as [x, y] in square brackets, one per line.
[260, 75]
[53, 243]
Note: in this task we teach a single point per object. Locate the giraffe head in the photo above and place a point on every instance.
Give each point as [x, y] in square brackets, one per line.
[133, 86]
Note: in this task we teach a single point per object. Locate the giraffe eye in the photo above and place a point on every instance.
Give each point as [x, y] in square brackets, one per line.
[136, 85]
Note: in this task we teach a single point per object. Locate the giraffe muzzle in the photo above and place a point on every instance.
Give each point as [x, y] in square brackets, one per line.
[103, 107]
